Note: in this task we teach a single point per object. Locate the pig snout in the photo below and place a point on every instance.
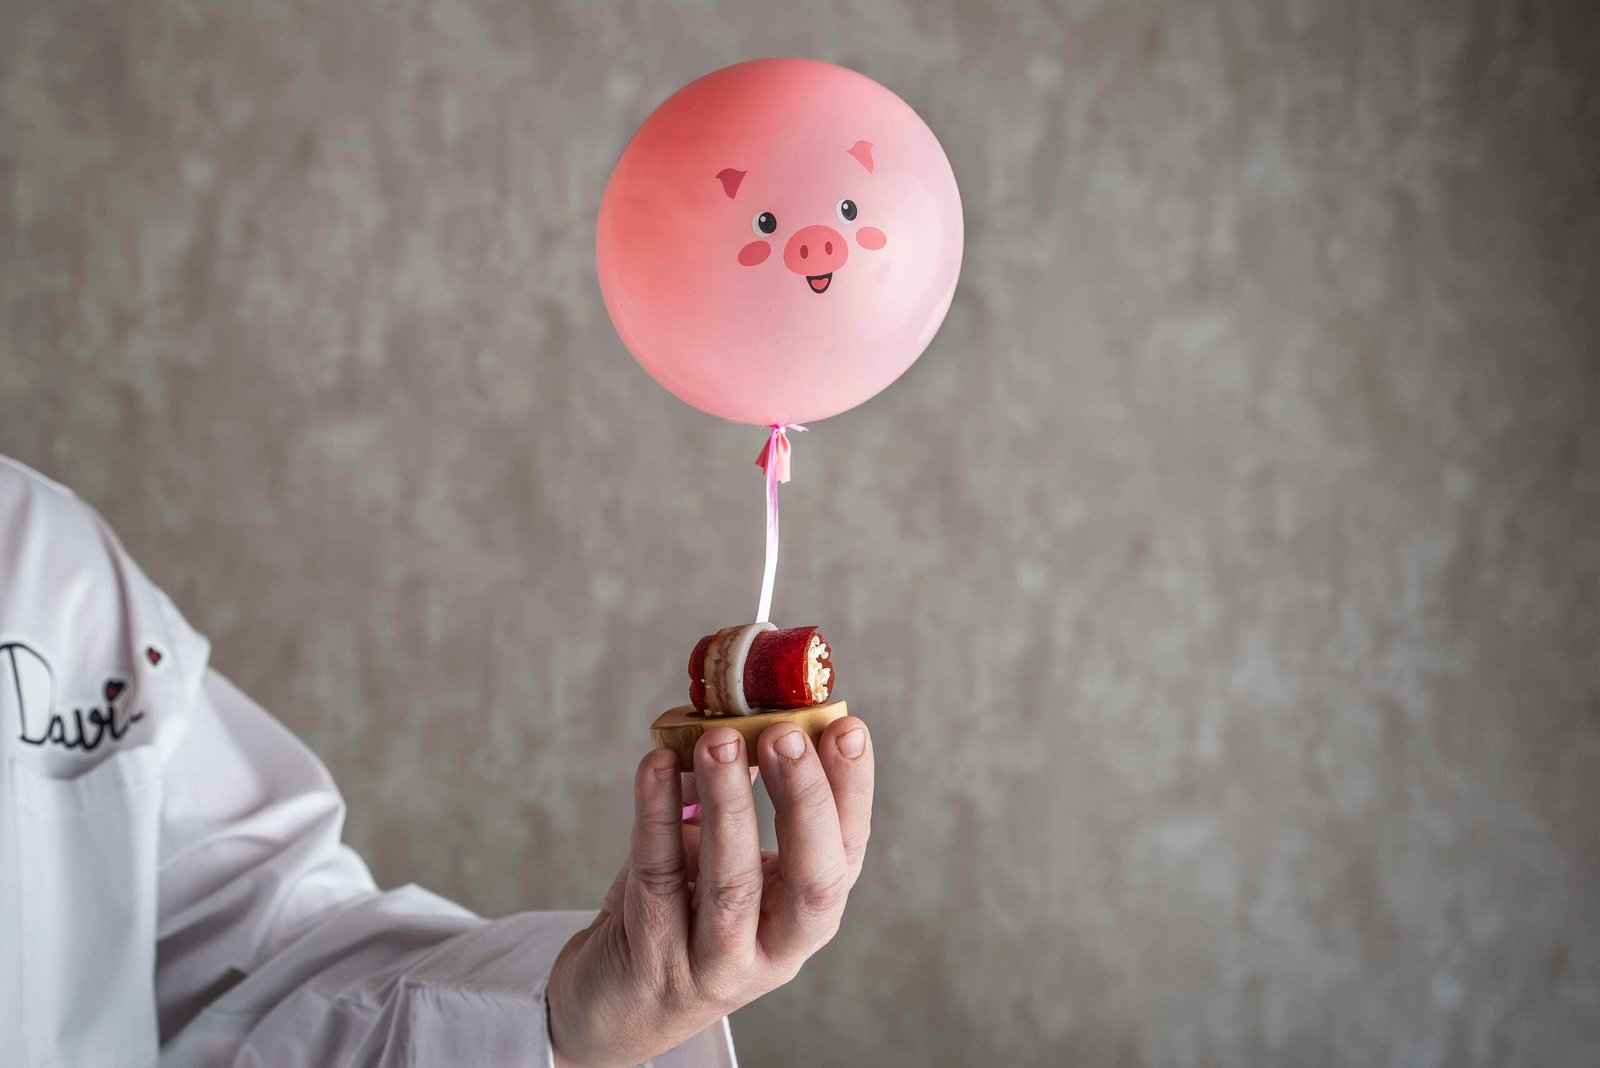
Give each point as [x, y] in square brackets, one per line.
[815, 250]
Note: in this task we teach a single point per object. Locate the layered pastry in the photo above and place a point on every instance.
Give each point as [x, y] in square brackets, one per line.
[757, 667]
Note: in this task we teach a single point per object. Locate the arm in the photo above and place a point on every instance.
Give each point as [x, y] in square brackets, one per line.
[276, 948]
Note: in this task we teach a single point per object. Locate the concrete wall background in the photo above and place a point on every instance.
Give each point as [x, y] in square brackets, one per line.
[1223, 585]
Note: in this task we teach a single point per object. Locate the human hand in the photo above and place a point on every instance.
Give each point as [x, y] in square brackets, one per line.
[701, 920]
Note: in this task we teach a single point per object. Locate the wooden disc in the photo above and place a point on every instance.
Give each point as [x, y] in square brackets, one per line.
[681, 727]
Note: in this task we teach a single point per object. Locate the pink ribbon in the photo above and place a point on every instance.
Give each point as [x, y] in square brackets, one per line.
[774, 460]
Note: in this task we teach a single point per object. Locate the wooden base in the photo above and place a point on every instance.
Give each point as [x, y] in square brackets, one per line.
[681, 727]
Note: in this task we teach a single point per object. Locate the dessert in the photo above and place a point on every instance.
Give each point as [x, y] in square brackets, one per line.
[738, 670]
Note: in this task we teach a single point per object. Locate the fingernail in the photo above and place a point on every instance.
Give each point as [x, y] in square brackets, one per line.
[791, 745]
[691, 811]
[724, 753]
[852, 743]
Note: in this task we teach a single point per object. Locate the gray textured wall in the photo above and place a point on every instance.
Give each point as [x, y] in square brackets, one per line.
[1222, 585]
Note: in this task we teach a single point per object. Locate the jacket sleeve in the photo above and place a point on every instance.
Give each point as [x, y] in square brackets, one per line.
[275, 948]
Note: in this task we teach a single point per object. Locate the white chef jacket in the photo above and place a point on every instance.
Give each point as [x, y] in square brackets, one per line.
[172, 885]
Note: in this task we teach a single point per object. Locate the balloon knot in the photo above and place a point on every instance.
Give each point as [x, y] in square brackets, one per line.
[776, 451]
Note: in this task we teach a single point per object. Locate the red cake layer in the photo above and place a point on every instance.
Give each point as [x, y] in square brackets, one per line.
[784, 669]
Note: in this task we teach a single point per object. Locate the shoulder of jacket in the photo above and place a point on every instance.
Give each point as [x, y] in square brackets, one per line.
[15, 471]
[51, 538]
[34, 507]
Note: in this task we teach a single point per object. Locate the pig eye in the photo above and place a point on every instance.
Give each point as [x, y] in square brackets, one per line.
[765, 223]
[847, 210]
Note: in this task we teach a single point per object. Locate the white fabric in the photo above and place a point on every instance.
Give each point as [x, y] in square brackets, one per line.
[172, 885]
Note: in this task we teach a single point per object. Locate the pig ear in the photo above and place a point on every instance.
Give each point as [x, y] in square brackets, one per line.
[730, 179]
[862, 151]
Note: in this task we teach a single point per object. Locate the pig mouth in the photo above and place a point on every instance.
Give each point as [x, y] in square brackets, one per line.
[819, 282]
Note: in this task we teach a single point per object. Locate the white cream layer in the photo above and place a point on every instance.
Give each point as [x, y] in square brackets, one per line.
[724, 672]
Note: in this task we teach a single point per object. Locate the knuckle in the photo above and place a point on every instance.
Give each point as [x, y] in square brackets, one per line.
[658, 820]
[726, 988]
[784, 971]
[740, 894]
[855, 843]
[822, 899]
[732, 801]
[813, 795]
[680, 993]
[659, 877]
[679, 1000]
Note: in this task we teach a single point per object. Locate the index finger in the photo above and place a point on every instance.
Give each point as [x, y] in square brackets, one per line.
[691, 796]
[655, 900]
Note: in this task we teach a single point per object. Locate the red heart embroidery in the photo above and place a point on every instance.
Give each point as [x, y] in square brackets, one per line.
[152, 655]
[114, 687]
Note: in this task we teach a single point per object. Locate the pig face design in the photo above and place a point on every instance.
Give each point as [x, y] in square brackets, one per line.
[814, 251]
[779, 241]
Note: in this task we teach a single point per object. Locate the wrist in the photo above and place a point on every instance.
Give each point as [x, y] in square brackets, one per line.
[557, 1058]
[560, 1059]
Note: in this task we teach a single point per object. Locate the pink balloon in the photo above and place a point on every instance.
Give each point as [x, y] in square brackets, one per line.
[779, 241]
